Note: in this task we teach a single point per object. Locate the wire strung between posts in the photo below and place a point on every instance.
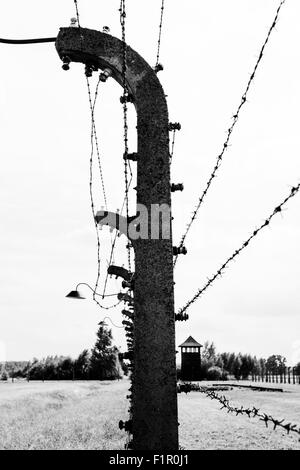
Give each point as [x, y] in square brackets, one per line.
[117, 326]
[122, 11]
[230, 130]
[113, 244]
[96, 226]
[160, 31]
[77, 13]
[250, 412]
[277, 210]
[92, 137]
[173, 145]
[92, 109]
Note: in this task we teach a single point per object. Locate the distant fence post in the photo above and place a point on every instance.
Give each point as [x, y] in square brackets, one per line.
[293, 373]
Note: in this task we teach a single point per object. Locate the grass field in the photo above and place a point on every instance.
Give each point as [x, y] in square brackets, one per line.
[85, 415]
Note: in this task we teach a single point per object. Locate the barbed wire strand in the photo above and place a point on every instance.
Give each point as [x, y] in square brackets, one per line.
[251, 412]
[93, 133]
[160, 31]
[117, 326]
[277, 210]
[92, 109]
[114, 243]
[77, 13]
[93, 123]
[230, 130]
[172, 145]
[122, 11]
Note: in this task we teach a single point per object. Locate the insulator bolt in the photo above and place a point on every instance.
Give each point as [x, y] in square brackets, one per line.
[129, 445]
[158, 68]
[130, 156]
[174, 126]
[106, 29]
[126, 98]
[105, 75]
[176, 187]
[88, 71]
[127, 285]
[181, 317]
[66, 61]
[73, 23]
[181, 250]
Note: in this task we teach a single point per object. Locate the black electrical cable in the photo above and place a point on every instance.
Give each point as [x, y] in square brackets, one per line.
[27, 41]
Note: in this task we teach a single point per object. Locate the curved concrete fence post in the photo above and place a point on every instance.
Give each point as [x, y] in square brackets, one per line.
[154, 410]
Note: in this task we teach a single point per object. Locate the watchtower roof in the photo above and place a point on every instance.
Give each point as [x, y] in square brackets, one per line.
[190, 342]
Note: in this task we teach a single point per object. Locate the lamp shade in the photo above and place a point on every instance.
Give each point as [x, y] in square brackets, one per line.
[74, 294]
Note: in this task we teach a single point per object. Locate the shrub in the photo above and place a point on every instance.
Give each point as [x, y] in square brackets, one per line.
[4, 376]
[215, 373]
[225, 375]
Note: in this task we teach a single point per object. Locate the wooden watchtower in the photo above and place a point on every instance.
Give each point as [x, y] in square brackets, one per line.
[190, 359]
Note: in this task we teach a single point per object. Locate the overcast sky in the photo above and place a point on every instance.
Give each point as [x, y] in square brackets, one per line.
[47, 239]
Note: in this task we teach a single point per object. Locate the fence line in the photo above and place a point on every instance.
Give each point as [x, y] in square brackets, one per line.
[285, 375]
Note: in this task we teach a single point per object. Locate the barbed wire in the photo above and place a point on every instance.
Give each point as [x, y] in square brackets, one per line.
[251, 412]
[173, 145]
[93, 136]
[114, 242]
[94, 131]
[122, 11]
[160, 31]
[77, 13]
[91, 173]
[230, 130]
[116, 326]
[277, 210]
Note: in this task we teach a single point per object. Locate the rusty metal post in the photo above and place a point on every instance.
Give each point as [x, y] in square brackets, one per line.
[155, 422]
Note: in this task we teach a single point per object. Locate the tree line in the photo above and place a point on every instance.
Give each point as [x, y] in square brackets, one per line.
[240, 366]
[100, 363]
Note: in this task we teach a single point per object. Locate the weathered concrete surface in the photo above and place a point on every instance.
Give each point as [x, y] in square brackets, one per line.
[155, 424]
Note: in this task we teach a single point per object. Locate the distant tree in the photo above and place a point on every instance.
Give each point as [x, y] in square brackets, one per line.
[247, 365]
[276, 364]
[66, 366]
[219, 362]
[4, 375]
[236, 367]
[50, 368]
[104, 355]
[227, 359]
[297, 368]
[209, 352]
[256, 366]
[262, 363]
[82, 365]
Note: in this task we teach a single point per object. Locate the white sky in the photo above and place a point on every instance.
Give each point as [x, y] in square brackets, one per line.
[47, 240]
